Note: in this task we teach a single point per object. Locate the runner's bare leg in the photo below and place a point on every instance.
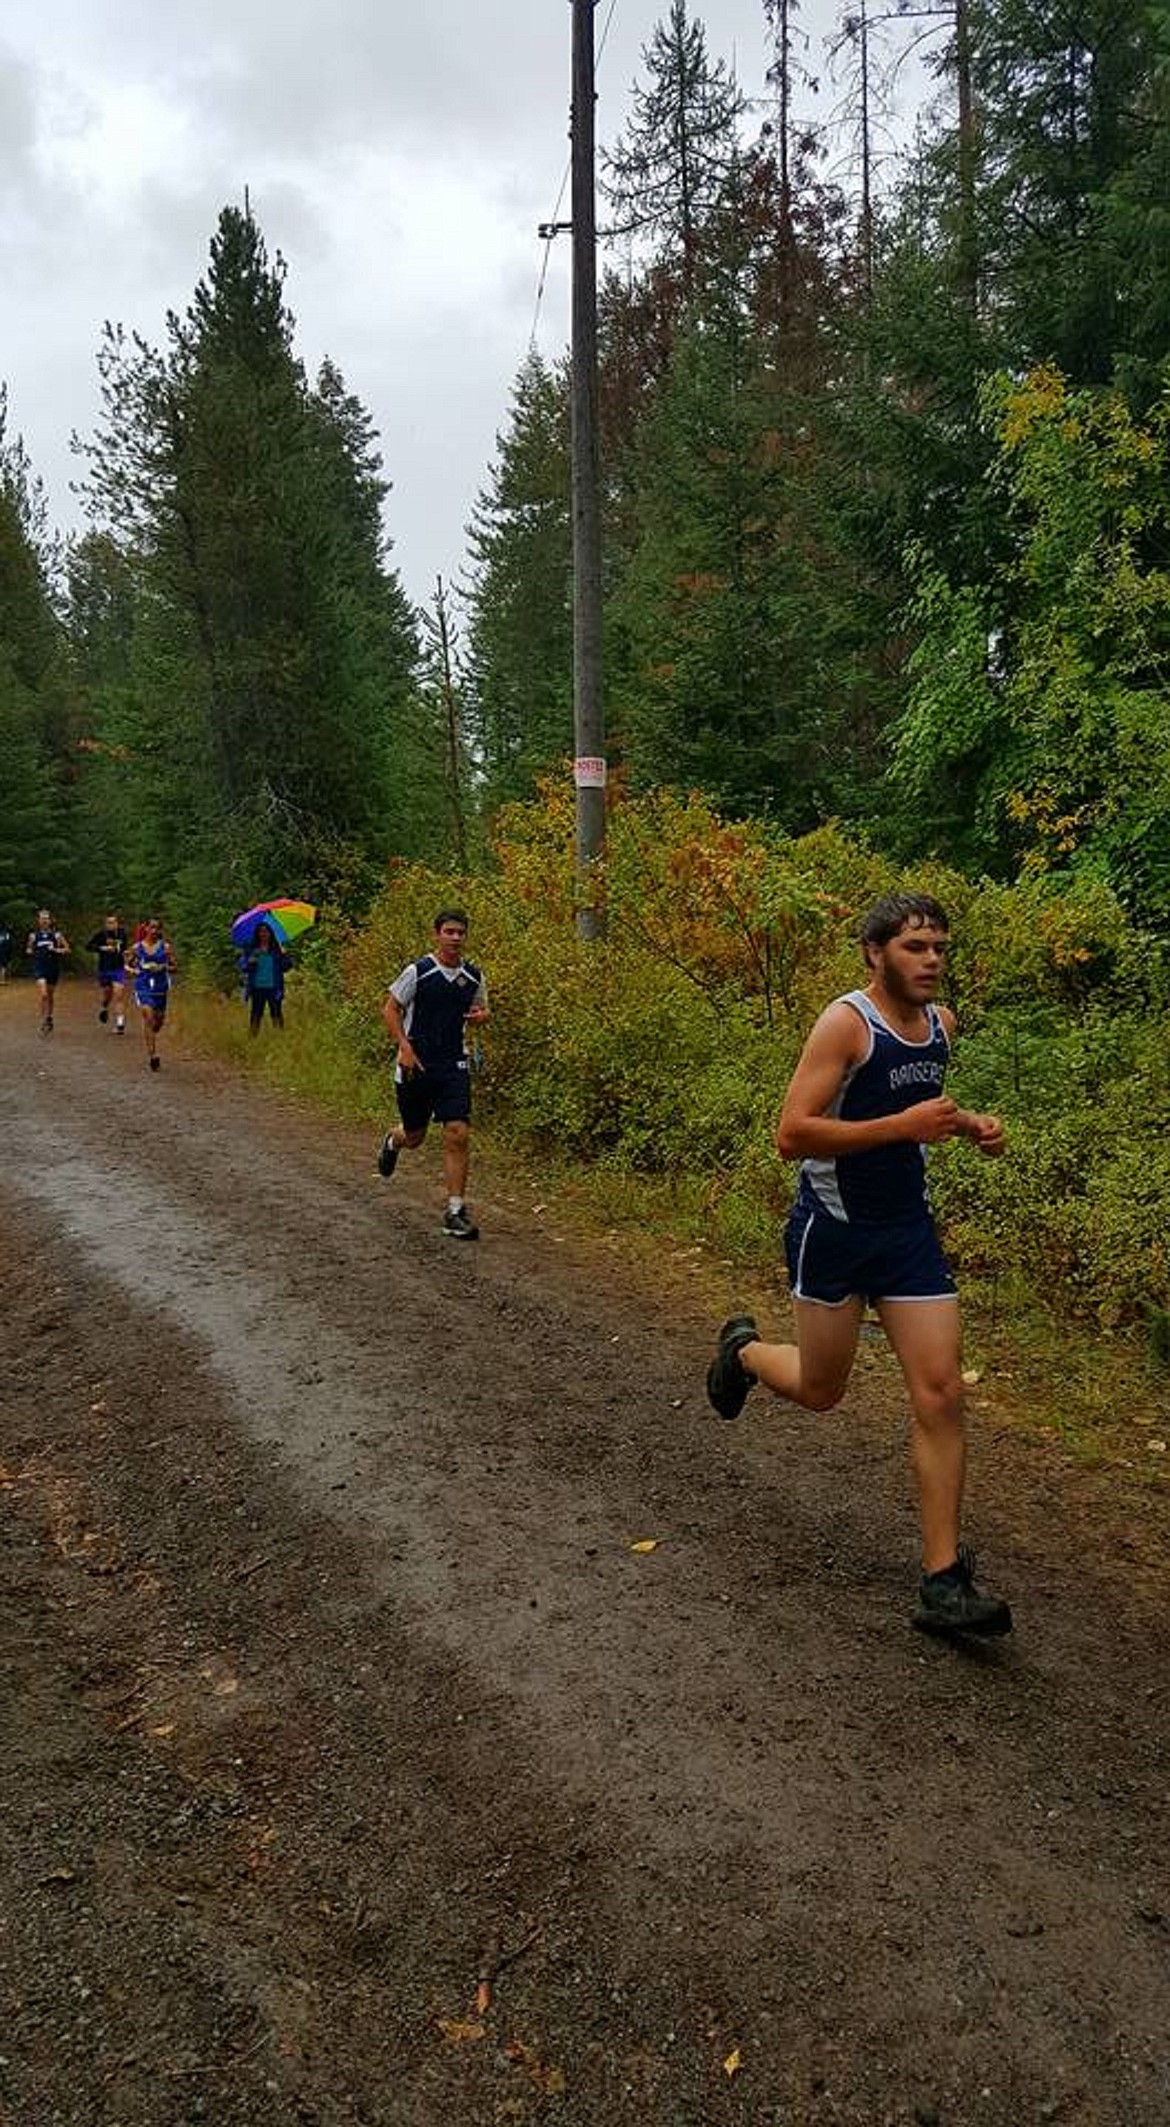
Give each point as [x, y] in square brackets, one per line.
[814, 1371]
[925, 1335]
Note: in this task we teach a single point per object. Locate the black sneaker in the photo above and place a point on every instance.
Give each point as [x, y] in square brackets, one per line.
[949, 1603]
[156, 1063]
[728, 1386]
[388, 1156]
[459, 1226]
[103, 1015]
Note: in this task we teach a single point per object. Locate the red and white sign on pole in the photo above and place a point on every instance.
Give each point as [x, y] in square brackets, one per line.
[589, 771]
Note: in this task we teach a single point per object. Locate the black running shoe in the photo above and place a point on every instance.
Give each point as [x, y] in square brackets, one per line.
[155, 1063]
[459, 1226]
[103, 1015]
[949, 1603]
[388, 1156]
[728, 1386]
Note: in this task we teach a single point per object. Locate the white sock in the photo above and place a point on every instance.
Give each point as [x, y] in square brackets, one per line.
[454, 1203]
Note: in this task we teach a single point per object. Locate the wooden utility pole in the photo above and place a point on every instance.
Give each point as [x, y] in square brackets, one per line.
[451, 721]
[968, 248]
[588, 730]
[866, 159]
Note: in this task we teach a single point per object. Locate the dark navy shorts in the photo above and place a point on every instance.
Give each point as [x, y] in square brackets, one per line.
[832, 1262]
[438, 1096]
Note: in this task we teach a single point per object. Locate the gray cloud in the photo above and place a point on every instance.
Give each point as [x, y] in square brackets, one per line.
[399, 155]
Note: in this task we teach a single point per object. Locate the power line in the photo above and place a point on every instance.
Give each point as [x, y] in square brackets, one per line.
[551, 229]
[550, 236]
[605, 32]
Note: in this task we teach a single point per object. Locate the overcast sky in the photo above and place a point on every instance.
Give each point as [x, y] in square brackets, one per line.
[399, 156]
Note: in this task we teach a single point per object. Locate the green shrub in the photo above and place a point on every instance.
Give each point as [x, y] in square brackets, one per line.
[663, 1051]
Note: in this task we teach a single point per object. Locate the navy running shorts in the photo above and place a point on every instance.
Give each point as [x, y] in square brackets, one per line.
[438, 1096]
[832, 1262]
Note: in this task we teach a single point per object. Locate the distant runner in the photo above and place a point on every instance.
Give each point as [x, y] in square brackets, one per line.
[426, 1010]
[865, 1100]
[151, 963]
[110, 944]
[47, 947]
[5, 949]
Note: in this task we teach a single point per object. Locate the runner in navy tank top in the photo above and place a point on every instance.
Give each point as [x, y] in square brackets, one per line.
[46, 947]
[866, 1099]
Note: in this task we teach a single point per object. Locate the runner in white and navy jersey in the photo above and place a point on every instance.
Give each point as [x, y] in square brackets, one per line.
[866, 1099]
[427, 1008]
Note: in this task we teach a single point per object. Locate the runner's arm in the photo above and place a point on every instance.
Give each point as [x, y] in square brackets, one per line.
[986, 1132]
[392, 1011]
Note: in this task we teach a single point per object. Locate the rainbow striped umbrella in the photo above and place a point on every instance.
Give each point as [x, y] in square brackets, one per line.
[286, 920]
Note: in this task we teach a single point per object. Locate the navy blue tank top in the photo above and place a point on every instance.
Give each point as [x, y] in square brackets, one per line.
[889, 1181]
[46, 953]
[434, 1017]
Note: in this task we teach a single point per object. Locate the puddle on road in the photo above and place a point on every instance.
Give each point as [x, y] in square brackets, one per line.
[266, 1358]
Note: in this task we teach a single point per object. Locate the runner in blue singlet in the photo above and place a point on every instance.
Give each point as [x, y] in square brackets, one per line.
[865, 1100]
[151, 963]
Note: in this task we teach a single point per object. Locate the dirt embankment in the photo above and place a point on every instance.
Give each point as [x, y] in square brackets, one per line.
[336, 1691]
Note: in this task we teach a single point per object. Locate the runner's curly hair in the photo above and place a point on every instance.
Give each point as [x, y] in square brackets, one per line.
[894, 911]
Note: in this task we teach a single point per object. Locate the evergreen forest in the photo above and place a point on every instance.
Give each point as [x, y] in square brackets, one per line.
[886, 489]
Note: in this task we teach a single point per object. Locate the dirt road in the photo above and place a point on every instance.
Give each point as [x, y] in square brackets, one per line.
[335, 1688]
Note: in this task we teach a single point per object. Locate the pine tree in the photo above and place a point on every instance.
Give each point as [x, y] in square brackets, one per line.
[733, 628]
[249, 505]
[1065, 102]
[520, 624]
[663, 176]
[35, 728]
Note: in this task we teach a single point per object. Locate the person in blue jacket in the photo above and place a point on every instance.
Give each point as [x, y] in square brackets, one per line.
[265, 965]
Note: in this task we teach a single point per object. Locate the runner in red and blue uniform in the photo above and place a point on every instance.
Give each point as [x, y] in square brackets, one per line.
[865, 1101]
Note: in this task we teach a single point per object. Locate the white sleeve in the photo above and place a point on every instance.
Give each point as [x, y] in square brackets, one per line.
[404, 987]
[481, 995]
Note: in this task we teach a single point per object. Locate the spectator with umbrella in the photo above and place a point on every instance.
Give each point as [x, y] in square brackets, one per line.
[262, 935]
